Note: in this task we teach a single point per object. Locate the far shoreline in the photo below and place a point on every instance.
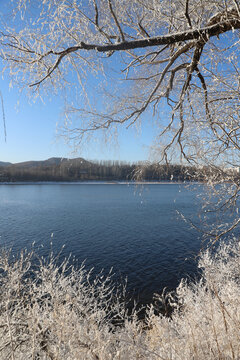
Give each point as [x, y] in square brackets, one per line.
[101, 182]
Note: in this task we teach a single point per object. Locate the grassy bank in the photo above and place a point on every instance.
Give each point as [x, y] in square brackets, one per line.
[59, 312]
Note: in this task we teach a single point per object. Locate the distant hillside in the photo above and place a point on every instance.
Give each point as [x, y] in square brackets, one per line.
[79, 169]
[54, 161]
[2, 163]
[53, 169]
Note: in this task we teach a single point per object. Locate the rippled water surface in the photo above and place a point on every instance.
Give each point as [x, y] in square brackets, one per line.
[135, 230]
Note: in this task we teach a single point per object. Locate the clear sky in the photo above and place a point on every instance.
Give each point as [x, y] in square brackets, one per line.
[32, 130]
[32, 133]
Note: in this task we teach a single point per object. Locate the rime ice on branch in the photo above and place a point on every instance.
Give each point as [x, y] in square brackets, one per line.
[179, 63]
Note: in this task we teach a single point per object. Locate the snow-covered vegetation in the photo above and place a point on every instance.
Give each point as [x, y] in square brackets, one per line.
[61, 312]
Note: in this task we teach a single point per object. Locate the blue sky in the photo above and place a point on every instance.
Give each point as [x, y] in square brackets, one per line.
[32, 133]
[32, 127]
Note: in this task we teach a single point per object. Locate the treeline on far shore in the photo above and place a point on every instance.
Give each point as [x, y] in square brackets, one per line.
[79, 169]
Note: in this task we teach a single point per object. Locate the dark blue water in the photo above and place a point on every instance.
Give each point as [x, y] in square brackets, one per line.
[135, 230]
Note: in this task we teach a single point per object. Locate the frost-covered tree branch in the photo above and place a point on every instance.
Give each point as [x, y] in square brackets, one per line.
[175, 61]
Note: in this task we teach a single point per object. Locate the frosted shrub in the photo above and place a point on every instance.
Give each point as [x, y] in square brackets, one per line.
[206, 321]
[60, 312]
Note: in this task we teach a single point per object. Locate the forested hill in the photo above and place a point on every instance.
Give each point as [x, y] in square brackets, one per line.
[79, 169]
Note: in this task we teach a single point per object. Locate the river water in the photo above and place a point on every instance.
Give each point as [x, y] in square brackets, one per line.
[137, 231]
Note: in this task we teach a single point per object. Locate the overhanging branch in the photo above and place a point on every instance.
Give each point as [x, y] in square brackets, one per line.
[201, 35]
[197, 34]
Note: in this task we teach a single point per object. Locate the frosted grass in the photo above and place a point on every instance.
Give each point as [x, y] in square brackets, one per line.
[61, 312]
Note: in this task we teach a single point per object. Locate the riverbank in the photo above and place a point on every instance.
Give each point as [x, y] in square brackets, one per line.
[56, 312]
[100, 183]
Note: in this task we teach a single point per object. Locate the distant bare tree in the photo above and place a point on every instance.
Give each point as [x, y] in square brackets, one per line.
[178, 59]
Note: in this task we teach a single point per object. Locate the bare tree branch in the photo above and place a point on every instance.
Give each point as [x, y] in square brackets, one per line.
[204, 33]
[187, 14]
[116, 20]
[181, 60]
